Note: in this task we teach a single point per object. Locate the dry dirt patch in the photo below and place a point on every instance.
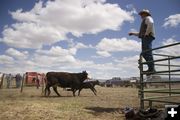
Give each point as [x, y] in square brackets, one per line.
[30, 105]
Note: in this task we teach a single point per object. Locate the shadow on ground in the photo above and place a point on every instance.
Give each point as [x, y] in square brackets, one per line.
[104, 110]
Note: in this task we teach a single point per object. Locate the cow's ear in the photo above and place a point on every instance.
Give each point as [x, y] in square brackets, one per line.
[85, 72]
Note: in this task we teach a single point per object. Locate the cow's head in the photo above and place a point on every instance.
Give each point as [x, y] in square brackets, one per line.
[85, 75]
[97, 82]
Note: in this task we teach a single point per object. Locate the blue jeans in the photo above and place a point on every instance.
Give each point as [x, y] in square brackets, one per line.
[147, 45]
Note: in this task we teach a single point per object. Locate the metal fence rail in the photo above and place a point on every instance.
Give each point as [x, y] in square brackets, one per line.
[171, 70]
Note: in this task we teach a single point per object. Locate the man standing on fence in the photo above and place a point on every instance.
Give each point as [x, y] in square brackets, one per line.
[147, 35]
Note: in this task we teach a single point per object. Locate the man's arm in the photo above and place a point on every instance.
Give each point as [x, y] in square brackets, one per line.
[133, 33]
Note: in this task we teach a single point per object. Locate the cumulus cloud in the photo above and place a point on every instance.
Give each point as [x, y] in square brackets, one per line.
[129, 63]
[42, 60]
[106, 46]
[128, 66]
[132, 8]
[44, 63]
[55, 55]
[31, 35]
[17, 54]
[170, 51]
[169, 41]
[59, 57]
[103, 53]
[4, 59]
[173, 50]
[50, 22]
[172, 21]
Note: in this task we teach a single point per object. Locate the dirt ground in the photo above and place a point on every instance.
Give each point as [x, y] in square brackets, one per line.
[31, 105]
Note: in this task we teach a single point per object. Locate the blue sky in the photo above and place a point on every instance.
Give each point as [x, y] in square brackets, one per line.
[92, 35]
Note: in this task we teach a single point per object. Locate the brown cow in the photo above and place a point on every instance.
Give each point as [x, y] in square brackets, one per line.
[64, 80]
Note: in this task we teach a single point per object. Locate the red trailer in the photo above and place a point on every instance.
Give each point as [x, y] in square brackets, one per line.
[34, 78]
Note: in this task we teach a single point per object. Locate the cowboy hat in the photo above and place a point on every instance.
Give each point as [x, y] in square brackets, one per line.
[145, 11]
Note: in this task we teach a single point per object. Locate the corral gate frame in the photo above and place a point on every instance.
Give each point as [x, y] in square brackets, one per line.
[169, 72]
[22, 83]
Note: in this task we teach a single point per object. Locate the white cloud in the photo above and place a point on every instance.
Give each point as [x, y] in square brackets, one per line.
[133, 30]
[56, 55]
[55, 51]
[172, 51]
[130, 63]
[172, 21]
[31, 35]
[49, 23]
[16, 54]
[131, 8]
[4, 59]
[59, 59]
[87, 2]
[169, 41]
[44, 63]
[80, 45]
[105, 46]
[56, 58]
[103, 53]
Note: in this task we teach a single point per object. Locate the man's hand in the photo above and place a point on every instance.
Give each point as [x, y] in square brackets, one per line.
[133, 33]
[130, 33]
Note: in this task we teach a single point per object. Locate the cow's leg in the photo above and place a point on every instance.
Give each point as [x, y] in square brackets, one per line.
[74, 91]
[93, 89]
[47, 89]
[55, 89]
[79, 91]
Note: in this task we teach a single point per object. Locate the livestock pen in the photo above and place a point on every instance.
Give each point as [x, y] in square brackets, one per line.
[28, 79]
[7, 81]
[167, 65]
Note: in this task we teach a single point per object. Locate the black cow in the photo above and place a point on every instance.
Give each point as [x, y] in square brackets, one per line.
[64, 80]
[89, 85]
